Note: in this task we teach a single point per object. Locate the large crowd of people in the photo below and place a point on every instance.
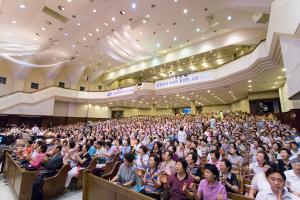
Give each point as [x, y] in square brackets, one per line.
[176, 157]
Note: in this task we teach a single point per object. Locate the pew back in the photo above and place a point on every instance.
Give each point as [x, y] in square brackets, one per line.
[94, 186]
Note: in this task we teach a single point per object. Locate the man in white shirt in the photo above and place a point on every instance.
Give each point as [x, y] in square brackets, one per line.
[276, 191]
[293, 177]
[181, 135]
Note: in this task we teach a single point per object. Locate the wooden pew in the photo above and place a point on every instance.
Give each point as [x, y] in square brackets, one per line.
[55, 186]
[109, 166]
[113, 172]
[234, 196]
[92, 165]
[95, 187]
[19, 180]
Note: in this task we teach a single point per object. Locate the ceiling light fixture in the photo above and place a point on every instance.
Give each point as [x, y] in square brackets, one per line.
[122, 12]
[175, 38]
[7, 34]
[185, 11]
[14, 22]
[84, 38]
[105, 24]
[97, 30]
[157, 45]
[133, 5]
[66, 34]
[229, 18]
[22, 6]
[168, 31]
[78, 24]
[61, 8]
[43, 29]
[198, 29]
[283, 69]
[113, 19]
[249, 81]
[94, 10]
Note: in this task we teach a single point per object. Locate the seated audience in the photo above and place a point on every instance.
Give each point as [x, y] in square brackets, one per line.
[83, 160]
[215, 158]
[259, 181]
[257, 166]
[142, 159]
[168, 166]
[192, 168]
[284, 163]
[234, 157]
[293, 177]
[227, 178]
[51, 167]
[151, 182]
[126, 175]
[276, 191]
[179, 185]
[210, 188]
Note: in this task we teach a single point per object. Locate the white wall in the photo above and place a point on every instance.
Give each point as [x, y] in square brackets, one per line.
[80, 110]
[40, 108]
[241, 105]
[285, 103]
[35, 76]
[5, 72]
[216, 108]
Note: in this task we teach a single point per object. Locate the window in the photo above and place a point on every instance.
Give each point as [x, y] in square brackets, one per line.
[99, 87]
[61, 84]
[34, 86]
[2, 80]
[82, 88]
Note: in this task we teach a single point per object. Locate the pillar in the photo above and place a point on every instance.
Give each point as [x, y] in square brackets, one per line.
[153, 109]
[193, 107]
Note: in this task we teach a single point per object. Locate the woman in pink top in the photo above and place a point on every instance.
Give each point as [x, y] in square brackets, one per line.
[211, 188]
[37, 161]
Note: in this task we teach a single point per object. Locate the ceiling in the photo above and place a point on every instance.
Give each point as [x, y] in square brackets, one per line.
[109, 34]
[217, 96]
[201, 62]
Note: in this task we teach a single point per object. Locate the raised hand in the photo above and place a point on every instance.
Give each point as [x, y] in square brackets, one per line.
[139, 173]
[164, 179]
[220, 196]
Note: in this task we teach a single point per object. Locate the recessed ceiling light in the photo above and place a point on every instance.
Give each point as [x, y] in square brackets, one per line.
[105, 24]
[185, 11]
[276, 83]
[35, 38]
[84, 38]
[198, 29]
[249, 81]
[154, 77]
[141, 33]
[157, 45]
[175, 0]
[43, 29]
[168, 31]
[94, 10]
[22, 6]
[73, 45]
[175, 38]
[192, 20]
[113, 19]
[250, 86]
[133, 5]
[78, 24]
[7, 34]
[208, 91]
[61, 8]
[279, 77]
[273, 87]
[122, 12]
[229, 18]
[69, 1]
[90, 34]
[283, 69]
[14, 22]
[97, 30]
[205, 65]
[66, 34]
[250, 89]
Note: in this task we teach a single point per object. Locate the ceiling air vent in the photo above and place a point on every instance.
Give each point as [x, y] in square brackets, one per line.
[54, 14]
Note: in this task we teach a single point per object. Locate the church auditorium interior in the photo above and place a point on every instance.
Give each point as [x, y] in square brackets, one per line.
[149, 99]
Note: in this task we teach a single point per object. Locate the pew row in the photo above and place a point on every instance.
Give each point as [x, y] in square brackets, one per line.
[94, 186]
[21, 180]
